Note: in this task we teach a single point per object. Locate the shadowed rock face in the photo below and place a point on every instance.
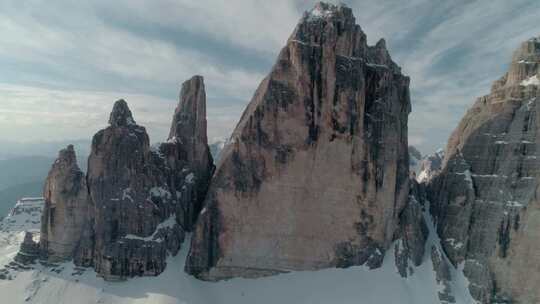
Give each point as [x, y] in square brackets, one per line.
[187, 152]
[485, 198]
[131, 199]
[316, 173]
[66, 207]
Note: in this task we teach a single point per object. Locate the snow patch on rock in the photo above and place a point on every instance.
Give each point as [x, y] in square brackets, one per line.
[533, 80]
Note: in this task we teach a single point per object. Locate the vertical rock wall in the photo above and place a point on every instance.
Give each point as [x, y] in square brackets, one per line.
[66, 208]
[316, 173]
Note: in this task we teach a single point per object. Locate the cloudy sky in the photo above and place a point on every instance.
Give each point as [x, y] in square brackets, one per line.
[63, 62]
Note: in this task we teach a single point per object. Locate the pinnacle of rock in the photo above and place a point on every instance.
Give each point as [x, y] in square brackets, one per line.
[189, 120]
[121, 115]
[65, 213]
[187, 148]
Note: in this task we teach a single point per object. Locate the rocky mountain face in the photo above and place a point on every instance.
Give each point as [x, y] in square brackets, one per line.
[136, 201]
[65, 213]
[485, 200]
[316, 174]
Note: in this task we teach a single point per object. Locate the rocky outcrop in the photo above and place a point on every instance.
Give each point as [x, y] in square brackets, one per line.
[29, 251]
[442, 275]
[485, 199]
[187, 153]
[66, 208]
[412, 233]
[316, 173]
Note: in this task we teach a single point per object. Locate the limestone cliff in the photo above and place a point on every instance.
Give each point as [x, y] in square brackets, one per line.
[66, 207]
[316, 173]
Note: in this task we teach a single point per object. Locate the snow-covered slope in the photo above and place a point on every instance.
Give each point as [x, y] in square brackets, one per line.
[24, 216]
[66, 283]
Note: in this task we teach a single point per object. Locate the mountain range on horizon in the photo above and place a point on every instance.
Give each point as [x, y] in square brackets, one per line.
[316, 196]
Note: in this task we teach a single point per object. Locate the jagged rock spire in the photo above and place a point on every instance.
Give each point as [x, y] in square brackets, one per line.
[29, 250]
[121, 115]
[187, 148]
[66, 207]
[189, 120]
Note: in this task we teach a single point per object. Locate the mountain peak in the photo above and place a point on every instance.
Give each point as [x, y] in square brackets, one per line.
[67, 155]
[121, 115]
[324, 10]
[523, 77]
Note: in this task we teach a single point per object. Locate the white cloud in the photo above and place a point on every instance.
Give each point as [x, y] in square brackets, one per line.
[105, 50]
[259, 25]
[452, 50]
[38, 114]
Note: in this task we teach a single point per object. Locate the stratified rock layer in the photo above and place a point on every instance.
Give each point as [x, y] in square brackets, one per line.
[66, 208]
[316, 173]
[485, 200]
